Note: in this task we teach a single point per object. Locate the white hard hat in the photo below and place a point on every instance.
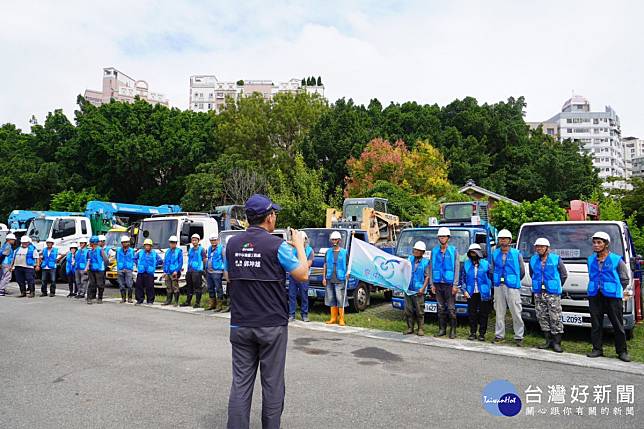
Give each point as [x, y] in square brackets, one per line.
[50, 240]
[504, 233]
[11, 236]
[24, 239]
[173, 239]
[195, 236]
[82, 240]
[214, 237]
[474, 246]
[125, 239]
[602, 235]
[542, 242]
[420, 245]
[335, 235]
[101, 237]
[74, 244]
[443, 232]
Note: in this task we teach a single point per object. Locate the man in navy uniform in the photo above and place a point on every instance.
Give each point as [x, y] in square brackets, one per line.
[256, 264]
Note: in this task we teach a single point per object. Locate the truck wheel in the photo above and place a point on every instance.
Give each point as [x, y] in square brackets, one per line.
[629, 334]
[360, 298]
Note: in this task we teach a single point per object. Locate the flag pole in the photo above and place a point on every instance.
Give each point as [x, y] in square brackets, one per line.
[346, 279]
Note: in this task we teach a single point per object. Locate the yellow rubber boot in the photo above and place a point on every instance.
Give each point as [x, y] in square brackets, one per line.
[334, 316]
[341, 319]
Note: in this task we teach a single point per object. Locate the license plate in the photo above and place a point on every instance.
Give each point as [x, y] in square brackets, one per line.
[312, 293]
[572, 318]
[431, 307]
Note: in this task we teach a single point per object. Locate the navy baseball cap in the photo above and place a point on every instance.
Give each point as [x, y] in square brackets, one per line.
[258, 205]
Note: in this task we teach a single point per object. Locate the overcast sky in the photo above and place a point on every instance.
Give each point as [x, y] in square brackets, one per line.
[426, 51]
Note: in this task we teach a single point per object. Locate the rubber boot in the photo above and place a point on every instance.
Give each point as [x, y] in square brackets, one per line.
[334, 316]
[442, 326]
[225, 308]
[122, 297]
[212, 304]
[168, 298]
[556, 343]
[452, 328]
[410, 326]
[341, 316]
[197, 301]
[176, 299]
[548, 342]
[220, 305]
[188, 301]
[420, 319]
[129, 296]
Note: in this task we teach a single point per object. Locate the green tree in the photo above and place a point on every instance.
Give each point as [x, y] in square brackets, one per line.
[74, 201]
[303, 82]
[203, 189]
[511, 217]
[319, 82]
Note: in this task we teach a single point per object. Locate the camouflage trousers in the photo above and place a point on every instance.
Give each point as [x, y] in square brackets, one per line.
[548, 308]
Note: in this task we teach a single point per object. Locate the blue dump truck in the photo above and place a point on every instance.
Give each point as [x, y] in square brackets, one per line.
[359, 292]
[462, 235]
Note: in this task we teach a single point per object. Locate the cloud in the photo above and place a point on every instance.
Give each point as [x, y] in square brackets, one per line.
[426, 51]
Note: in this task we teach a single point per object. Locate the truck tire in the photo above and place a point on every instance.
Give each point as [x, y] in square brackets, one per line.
[361, 298]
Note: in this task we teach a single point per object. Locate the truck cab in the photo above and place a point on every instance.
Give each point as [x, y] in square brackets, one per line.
[358, 292]
[159, 229]
[572, 241]
[462, 235]
[64, 230]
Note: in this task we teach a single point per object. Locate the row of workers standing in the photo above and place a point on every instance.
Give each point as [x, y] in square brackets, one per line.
[608, 286]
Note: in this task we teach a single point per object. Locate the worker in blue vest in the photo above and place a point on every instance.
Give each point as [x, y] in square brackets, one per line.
[215, 273]
[146, 260]
[81, 267]
[70, 270]
[507, 270]
[125, 268]
[172, 267]
[608, 288]
[477, 289]
[415, 299]
[197, 259]
[335, 279]
[300, 289]
[444, 272]
[548, 274]
[256, 265]
[96, 272]
[6, 261]
[47, 263]
[25, 263]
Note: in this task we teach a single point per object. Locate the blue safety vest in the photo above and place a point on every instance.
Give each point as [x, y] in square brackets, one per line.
[482, 279]
[30, 260]
[8, 260]
[195, 259]
[341, 268]
[547, 278]
[508, 272]
[443, 265]
[124, 260]
[49, 258]
[216, 258]
[96, 262]
[147, 262]
[307, 251]
[418, 273]
[82, 256]
[173, 261]
[607, 279]
[69, 265]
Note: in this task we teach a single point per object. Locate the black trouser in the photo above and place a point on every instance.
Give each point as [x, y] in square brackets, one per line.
[600, 305]
[144, 287]
[194, 281]
[26, 279]
[96, 282]
[446, 301]
[252, 347]
[48, 278]
[71, 282]
[478, 311]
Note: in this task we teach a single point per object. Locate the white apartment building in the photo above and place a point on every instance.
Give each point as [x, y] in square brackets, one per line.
[598, 134]
[634, 156]
[121, 87]
[208, 93]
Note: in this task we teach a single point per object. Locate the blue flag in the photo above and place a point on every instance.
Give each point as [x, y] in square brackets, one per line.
[377, 267]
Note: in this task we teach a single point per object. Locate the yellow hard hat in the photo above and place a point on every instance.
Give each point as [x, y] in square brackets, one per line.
[148, 241]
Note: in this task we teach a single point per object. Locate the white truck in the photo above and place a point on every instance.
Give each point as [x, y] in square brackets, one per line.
[572, 241]
[159, 228]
